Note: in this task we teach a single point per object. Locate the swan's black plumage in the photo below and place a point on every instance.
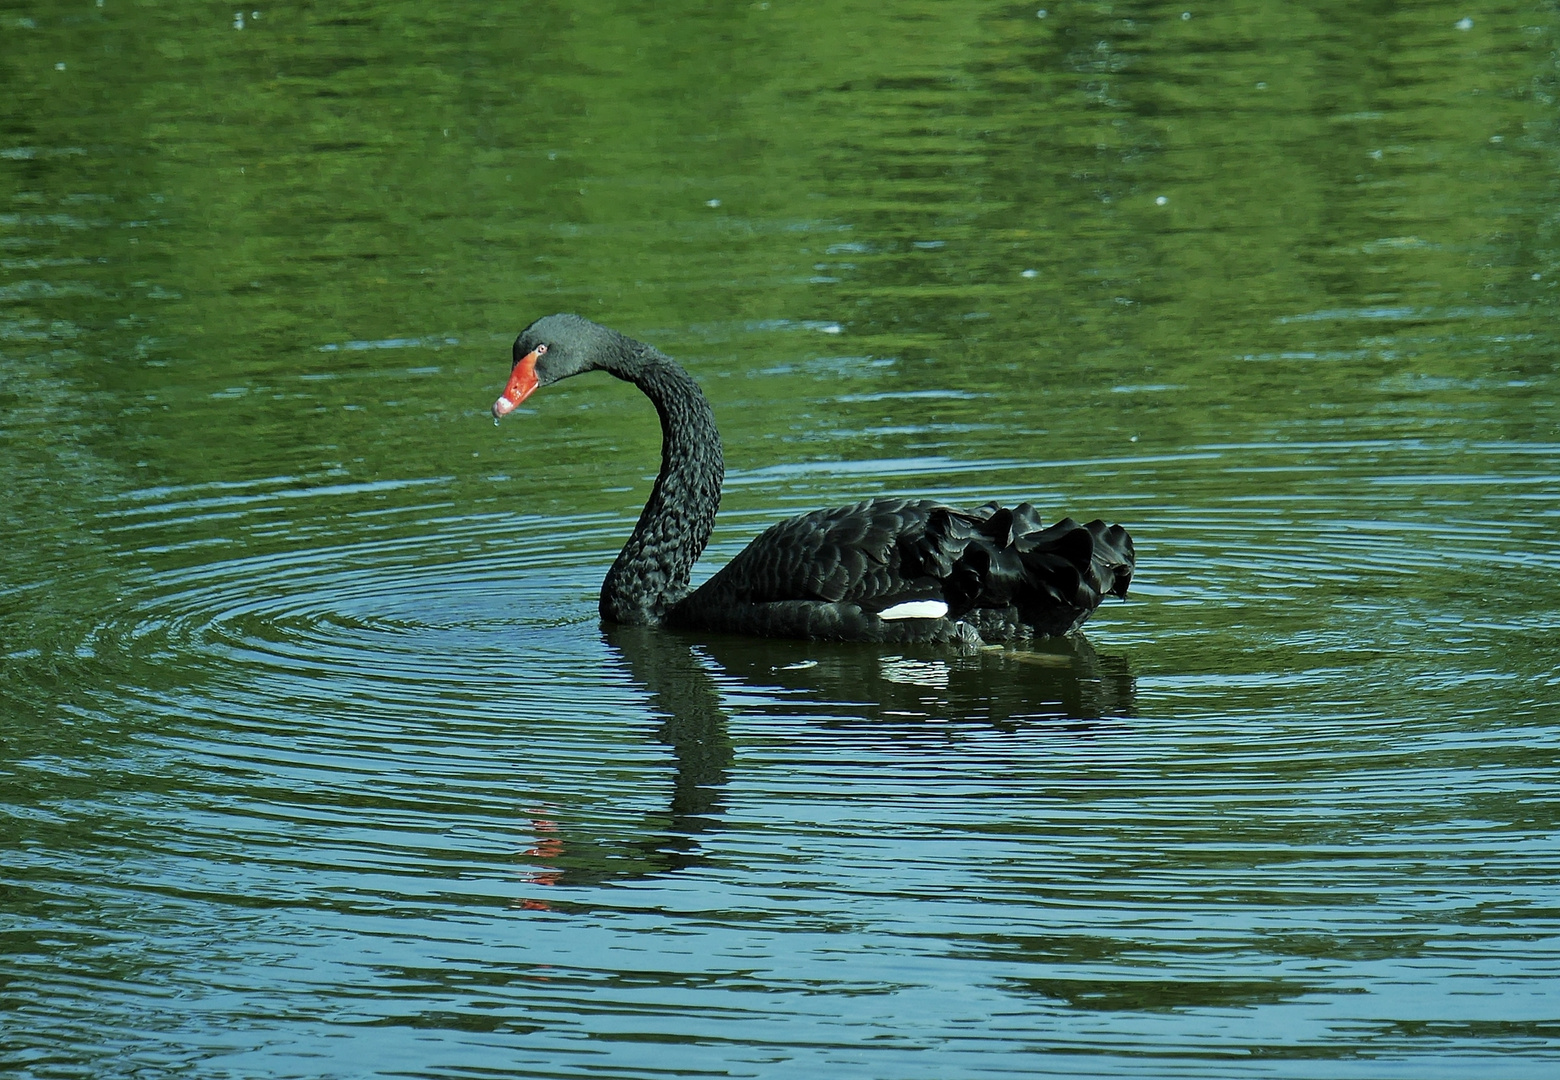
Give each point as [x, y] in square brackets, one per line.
[1001, 574]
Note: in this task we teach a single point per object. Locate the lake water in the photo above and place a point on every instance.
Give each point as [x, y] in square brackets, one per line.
[316, 762]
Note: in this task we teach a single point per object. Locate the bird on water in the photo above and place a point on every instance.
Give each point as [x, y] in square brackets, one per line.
[886, 569]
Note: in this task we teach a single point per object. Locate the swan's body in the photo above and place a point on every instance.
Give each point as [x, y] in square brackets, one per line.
[880, 570]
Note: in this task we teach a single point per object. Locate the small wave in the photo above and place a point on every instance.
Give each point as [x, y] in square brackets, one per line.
[390, 343]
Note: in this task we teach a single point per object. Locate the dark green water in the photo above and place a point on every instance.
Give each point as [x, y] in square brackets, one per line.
[315, 762]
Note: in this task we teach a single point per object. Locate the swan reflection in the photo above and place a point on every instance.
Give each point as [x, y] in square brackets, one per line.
[1053, 687]
[1052, 679]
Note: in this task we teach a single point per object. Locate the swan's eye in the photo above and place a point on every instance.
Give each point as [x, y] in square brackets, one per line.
[540, 349]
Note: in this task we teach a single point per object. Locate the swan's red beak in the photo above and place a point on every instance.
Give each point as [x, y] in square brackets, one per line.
[521, 382]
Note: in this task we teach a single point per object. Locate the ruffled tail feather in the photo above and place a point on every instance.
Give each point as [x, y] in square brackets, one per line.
[995, 557]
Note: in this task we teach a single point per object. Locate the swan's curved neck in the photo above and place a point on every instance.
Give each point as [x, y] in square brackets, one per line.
[652, 571]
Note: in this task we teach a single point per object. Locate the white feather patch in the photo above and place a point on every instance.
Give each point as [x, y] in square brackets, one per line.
[915, 609]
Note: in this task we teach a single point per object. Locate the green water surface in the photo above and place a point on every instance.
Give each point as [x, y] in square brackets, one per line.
[315, 760]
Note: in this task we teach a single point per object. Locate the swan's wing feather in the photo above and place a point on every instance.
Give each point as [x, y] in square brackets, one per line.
[884, 554]
[849, 553]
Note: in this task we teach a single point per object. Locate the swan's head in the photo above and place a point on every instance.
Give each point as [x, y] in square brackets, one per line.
[550, 349]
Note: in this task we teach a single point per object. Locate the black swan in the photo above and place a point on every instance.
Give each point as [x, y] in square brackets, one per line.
[901, 570]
